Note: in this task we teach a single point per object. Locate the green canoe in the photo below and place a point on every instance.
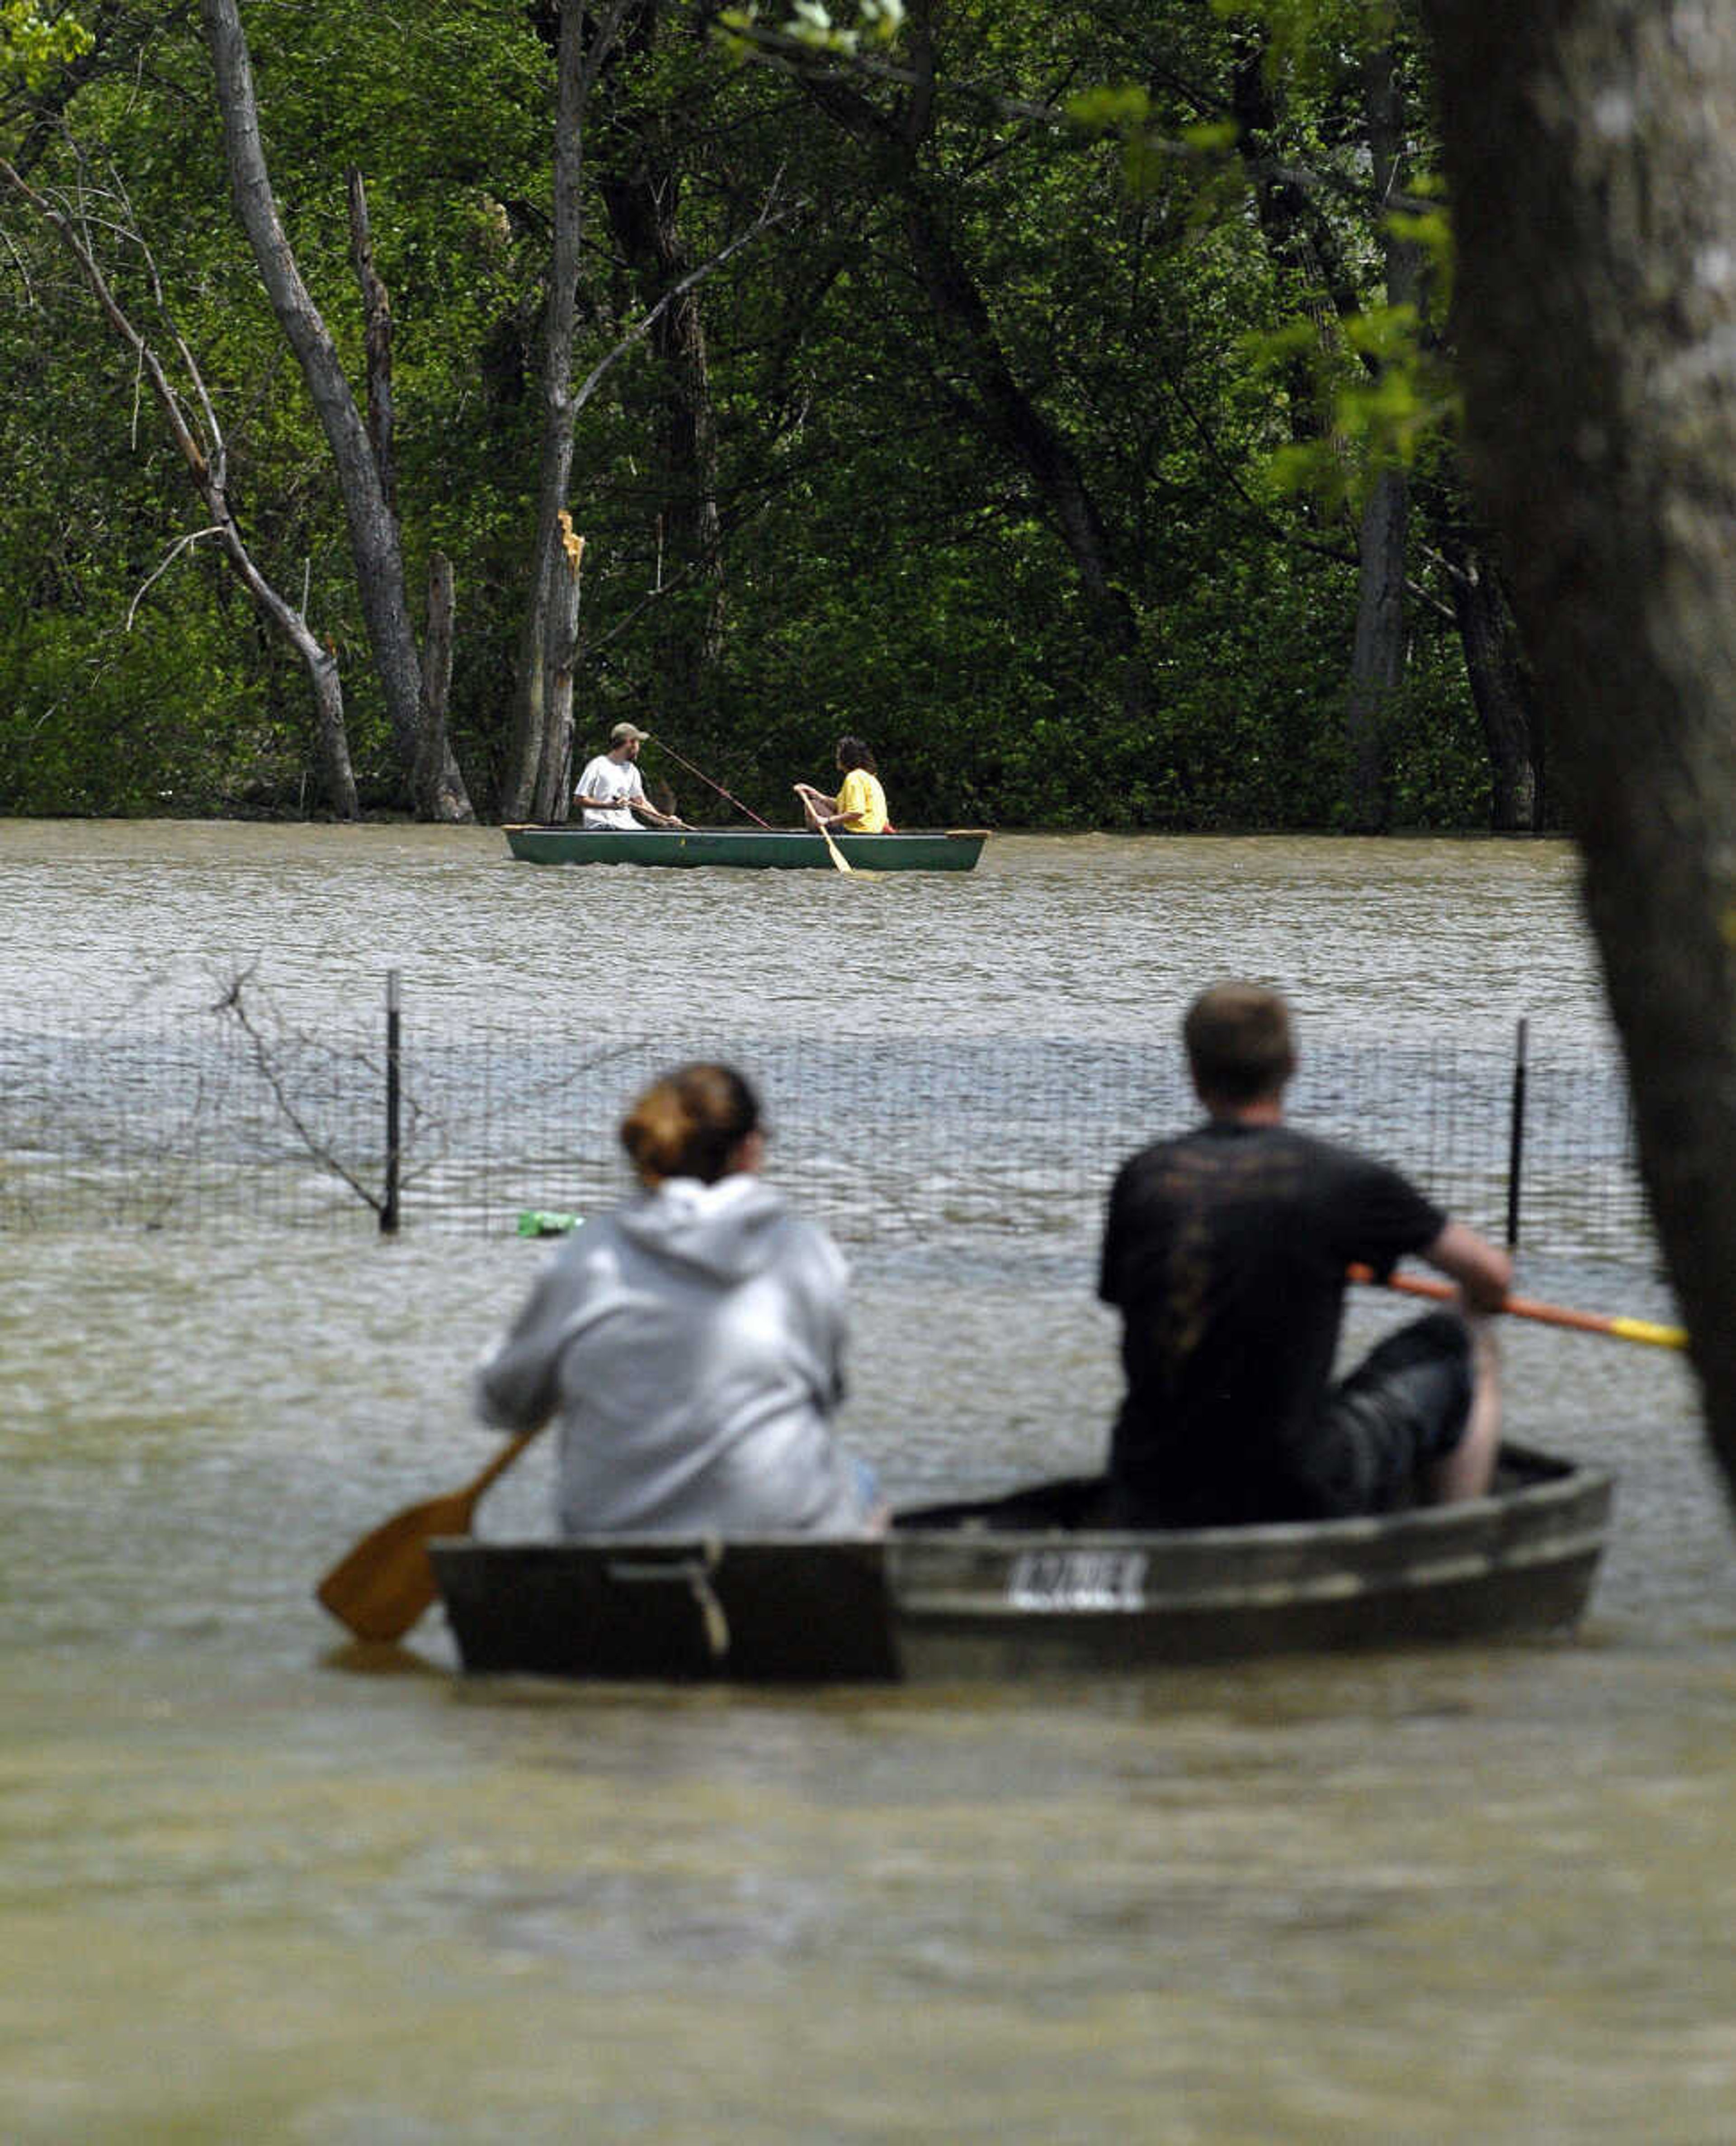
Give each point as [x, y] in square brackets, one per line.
[956, 850]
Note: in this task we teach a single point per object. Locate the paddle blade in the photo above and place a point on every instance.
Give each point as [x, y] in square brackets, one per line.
[384, 1583]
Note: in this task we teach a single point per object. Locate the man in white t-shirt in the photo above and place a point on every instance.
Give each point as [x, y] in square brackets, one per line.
[610, 789]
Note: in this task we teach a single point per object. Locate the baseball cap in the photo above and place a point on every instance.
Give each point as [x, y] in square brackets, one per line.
[622, 731]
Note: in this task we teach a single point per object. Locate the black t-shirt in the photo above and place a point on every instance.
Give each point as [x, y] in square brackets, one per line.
[1225, 1253]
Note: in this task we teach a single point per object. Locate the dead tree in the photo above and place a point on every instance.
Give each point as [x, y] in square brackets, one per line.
[192, 422]
[373, 528]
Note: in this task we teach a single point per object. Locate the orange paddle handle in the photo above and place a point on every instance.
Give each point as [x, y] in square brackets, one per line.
[1613, 1325]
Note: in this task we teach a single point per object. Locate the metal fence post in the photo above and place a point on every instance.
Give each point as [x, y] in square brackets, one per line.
[389, 1204]
[1516, 1139]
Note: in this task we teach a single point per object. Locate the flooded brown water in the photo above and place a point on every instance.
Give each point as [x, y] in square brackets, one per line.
[247, 1891]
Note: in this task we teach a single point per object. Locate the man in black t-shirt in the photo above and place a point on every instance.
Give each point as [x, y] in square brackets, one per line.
[1226, 1252]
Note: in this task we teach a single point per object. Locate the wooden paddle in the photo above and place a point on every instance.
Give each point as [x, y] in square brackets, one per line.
[381, 1586]
[815, 819]
[1617, 1328]
[838, 856]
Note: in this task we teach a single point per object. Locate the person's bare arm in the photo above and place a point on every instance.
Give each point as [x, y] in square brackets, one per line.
[1482, 1270]
[823, 811]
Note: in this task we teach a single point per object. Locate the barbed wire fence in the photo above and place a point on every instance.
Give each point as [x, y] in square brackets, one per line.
[974, 1148]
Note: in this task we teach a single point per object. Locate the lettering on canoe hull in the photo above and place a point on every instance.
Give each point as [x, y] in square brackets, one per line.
[1078, 1579]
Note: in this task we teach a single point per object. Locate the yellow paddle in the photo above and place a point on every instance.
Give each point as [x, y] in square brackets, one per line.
[381, 1586]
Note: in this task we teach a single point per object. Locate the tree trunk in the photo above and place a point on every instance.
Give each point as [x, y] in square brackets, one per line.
[1379, 649]
[559, 660]
[1501, 684]
[641, 193]
[376, 330]
[532, 751]
[1305, 244]
[692, 644]
[1377, 652]
[432, 753]
[372, 526]
[1300, 240]
[1008, 416]
[1591, 150]
[436, 789]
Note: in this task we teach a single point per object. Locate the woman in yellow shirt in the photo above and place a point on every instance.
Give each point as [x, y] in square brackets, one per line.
[860, 807]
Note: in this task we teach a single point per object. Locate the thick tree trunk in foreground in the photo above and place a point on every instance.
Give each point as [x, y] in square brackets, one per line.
[372, 526]
[1591, 150]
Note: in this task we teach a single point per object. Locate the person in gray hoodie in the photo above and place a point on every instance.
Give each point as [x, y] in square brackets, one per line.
[691, 1342]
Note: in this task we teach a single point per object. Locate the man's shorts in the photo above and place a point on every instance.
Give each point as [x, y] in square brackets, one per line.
[1404, 1407]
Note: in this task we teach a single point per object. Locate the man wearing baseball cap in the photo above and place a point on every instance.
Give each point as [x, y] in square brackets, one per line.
[610, 789]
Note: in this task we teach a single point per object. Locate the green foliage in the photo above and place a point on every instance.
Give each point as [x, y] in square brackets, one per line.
[890, 563]
[1110, 108]
[1149, 158]
[1386, 411]
[34, 41]
[809, 23]
[1310, 43]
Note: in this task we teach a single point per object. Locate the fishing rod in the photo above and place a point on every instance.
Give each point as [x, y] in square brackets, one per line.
[707, 781]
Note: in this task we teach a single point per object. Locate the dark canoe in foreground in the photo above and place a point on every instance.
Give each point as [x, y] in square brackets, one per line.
[1024, 1585]
[921, 850]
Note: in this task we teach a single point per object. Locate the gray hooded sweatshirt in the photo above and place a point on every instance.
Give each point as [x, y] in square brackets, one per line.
[691, 1343]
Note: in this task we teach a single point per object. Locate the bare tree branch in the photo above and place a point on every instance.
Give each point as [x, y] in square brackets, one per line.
[205, 459]
[181, 543]
[768, 216]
